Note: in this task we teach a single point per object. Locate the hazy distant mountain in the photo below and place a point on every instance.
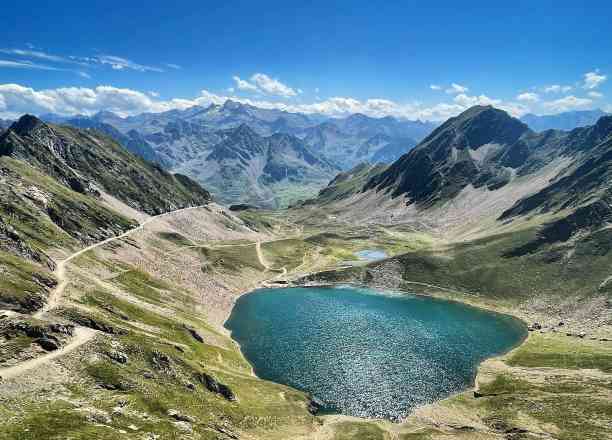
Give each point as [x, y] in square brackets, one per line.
[359, 138]
[245, 167]
[563, 121]
[4, 124]
[192, 141]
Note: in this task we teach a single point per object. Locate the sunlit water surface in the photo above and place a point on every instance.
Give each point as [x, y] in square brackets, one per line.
[365, 353]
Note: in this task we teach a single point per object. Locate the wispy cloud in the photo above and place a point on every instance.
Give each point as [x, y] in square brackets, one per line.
[557, 88]
[592, 80]
[113, 61]
[568, 103]
[119, 63]
[435, 87]
[26, 65]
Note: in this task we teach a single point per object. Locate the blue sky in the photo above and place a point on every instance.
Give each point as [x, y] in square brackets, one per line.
[322, 56]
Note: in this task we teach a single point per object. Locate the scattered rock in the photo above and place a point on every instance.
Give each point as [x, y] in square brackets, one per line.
[176, 415]
[535, 326]
[314, 405]
[162, 362]
[147, 375]
[215, 386]
[99, 416]
[226, 430]
[190, 386]
[118, 356]
[65, 329]
[87, 321]
[184, 426]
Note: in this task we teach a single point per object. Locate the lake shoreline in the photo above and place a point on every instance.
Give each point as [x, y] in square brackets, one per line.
[518, 320]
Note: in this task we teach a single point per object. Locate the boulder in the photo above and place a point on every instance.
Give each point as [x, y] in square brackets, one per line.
[176, 415]
[118, 356]
[48, 343]
[216, 387]
[193, 332]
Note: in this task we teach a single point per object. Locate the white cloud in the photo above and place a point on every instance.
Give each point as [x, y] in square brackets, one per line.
[556, 88]
[316, 90]
[435, 87]
[231, 89]
[16, 99]
[272, 86]
[528, 97]
[153, 94]
[595, 95]
[455, 89]
[243, 84]
[568, 103]
[262, 83]
[469, 101]
[173, 66]
[592, 80]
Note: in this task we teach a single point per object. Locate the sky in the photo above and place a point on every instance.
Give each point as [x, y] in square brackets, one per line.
[416, 60]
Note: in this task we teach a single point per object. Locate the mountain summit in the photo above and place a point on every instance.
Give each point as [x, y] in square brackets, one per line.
[464, 150]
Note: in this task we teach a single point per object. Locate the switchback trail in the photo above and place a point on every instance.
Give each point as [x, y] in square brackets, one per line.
[81, 335]
[60, 271]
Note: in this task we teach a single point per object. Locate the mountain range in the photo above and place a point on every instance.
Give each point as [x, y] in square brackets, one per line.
[563, 121]
[190, 141]
[197, 142]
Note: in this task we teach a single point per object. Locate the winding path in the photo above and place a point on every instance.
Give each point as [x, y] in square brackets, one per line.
[82, 335]
[60, 271]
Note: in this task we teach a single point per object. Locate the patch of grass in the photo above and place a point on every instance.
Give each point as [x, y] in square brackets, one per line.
[22, 284]
[233, 259]
[559, 351]
[142, 285]
[505, 384]
[174, 237]
[358, 430]
[288, 253]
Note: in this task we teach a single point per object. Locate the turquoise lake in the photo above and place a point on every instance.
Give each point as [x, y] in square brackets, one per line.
[367, 353]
